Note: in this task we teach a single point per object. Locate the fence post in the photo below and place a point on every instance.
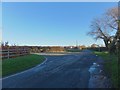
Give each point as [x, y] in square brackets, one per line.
[8, 53]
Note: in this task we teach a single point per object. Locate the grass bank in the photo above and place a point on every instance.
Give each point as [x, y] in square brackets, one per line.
[111, 66]
[73, 50]
[14, 65]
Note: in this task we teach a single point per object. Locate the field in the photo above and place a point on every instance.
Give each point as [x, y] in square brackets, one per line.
[111, 66]
[73, 50]
[14, 65]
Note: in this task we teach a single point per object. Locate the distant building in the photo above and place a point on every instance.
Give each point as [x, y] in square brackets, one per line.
[94, 45]
[82, 47]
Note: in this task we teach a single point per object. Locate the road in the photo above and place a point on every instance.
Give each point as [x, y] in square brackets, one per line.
[59, 71]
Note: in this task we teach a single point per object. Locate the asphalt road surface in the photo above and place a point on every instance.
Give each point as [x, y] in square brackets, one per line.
[59, 71]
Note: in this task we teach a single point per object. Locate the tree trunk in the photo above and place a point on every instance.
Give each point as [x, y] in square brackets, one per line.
[112, 47]
[118, 45]
[106, 43]
[118, 42]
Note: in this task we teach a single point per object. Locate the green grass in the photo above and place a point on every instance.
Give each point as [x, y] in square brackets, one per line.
[74, 50]
[111, 66]
[0, 68]
[14, 65]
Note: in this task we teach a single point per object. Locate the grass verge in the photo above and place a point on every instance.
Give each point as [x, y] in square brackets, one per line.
[74, 50]
[111, 66]
[14, 65]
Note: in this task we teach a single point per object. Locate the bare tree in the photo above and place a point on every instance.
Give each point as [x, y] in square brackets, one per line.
[111, 18]
[100, 31]
[113, 21]
[2, 44]
[102, 28]
[6, 43]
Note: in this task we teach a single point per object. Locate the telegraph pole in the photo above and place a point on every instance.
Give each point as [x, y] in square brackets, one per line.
[76, 43]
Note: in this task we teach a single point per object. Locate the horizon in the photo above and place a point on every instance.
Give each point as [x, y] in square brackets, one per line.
[51, 24]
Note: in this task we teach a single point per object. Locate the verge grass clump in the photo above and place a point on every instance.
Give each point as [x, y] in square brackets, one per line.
[14, 65]
[111, 66]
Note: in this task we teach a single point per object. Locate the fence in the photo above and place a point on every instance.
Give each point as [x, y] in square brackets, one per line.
[13, 51]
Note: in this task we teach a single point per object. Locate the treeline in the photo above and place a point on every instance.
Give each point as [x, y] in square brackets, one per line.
[100, 49]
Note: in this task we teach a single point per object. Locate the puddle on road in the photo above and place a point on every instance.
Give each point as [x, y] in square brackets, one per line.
[97, 79]
[95, 69]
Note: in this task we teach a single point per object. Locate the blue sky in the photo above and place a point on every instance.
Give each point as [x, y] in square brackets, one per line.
[50, 23]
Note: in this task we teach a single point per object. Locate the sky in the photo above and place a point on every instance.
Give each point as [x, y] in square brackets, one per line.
[51, 23]
[0, 21]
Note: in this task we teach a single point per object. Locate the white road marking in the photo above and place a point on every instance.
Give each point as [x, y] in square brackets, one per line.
[25, 70]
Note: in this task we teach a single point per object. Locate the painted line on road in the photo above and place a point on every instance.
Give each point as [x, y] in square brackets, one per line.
[25, 70]
[59, 54]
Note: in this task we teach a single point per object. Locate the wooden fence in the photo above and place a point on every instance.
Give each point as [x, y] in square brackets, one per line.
[13, 51]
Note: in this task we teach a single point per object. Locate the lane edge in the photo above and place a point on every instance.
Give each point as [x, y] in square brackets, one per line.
[25, 70]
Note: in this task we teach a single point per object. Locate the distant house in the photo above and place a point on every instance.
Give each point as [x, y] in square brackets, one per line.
[82, 47]
[94, 45]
